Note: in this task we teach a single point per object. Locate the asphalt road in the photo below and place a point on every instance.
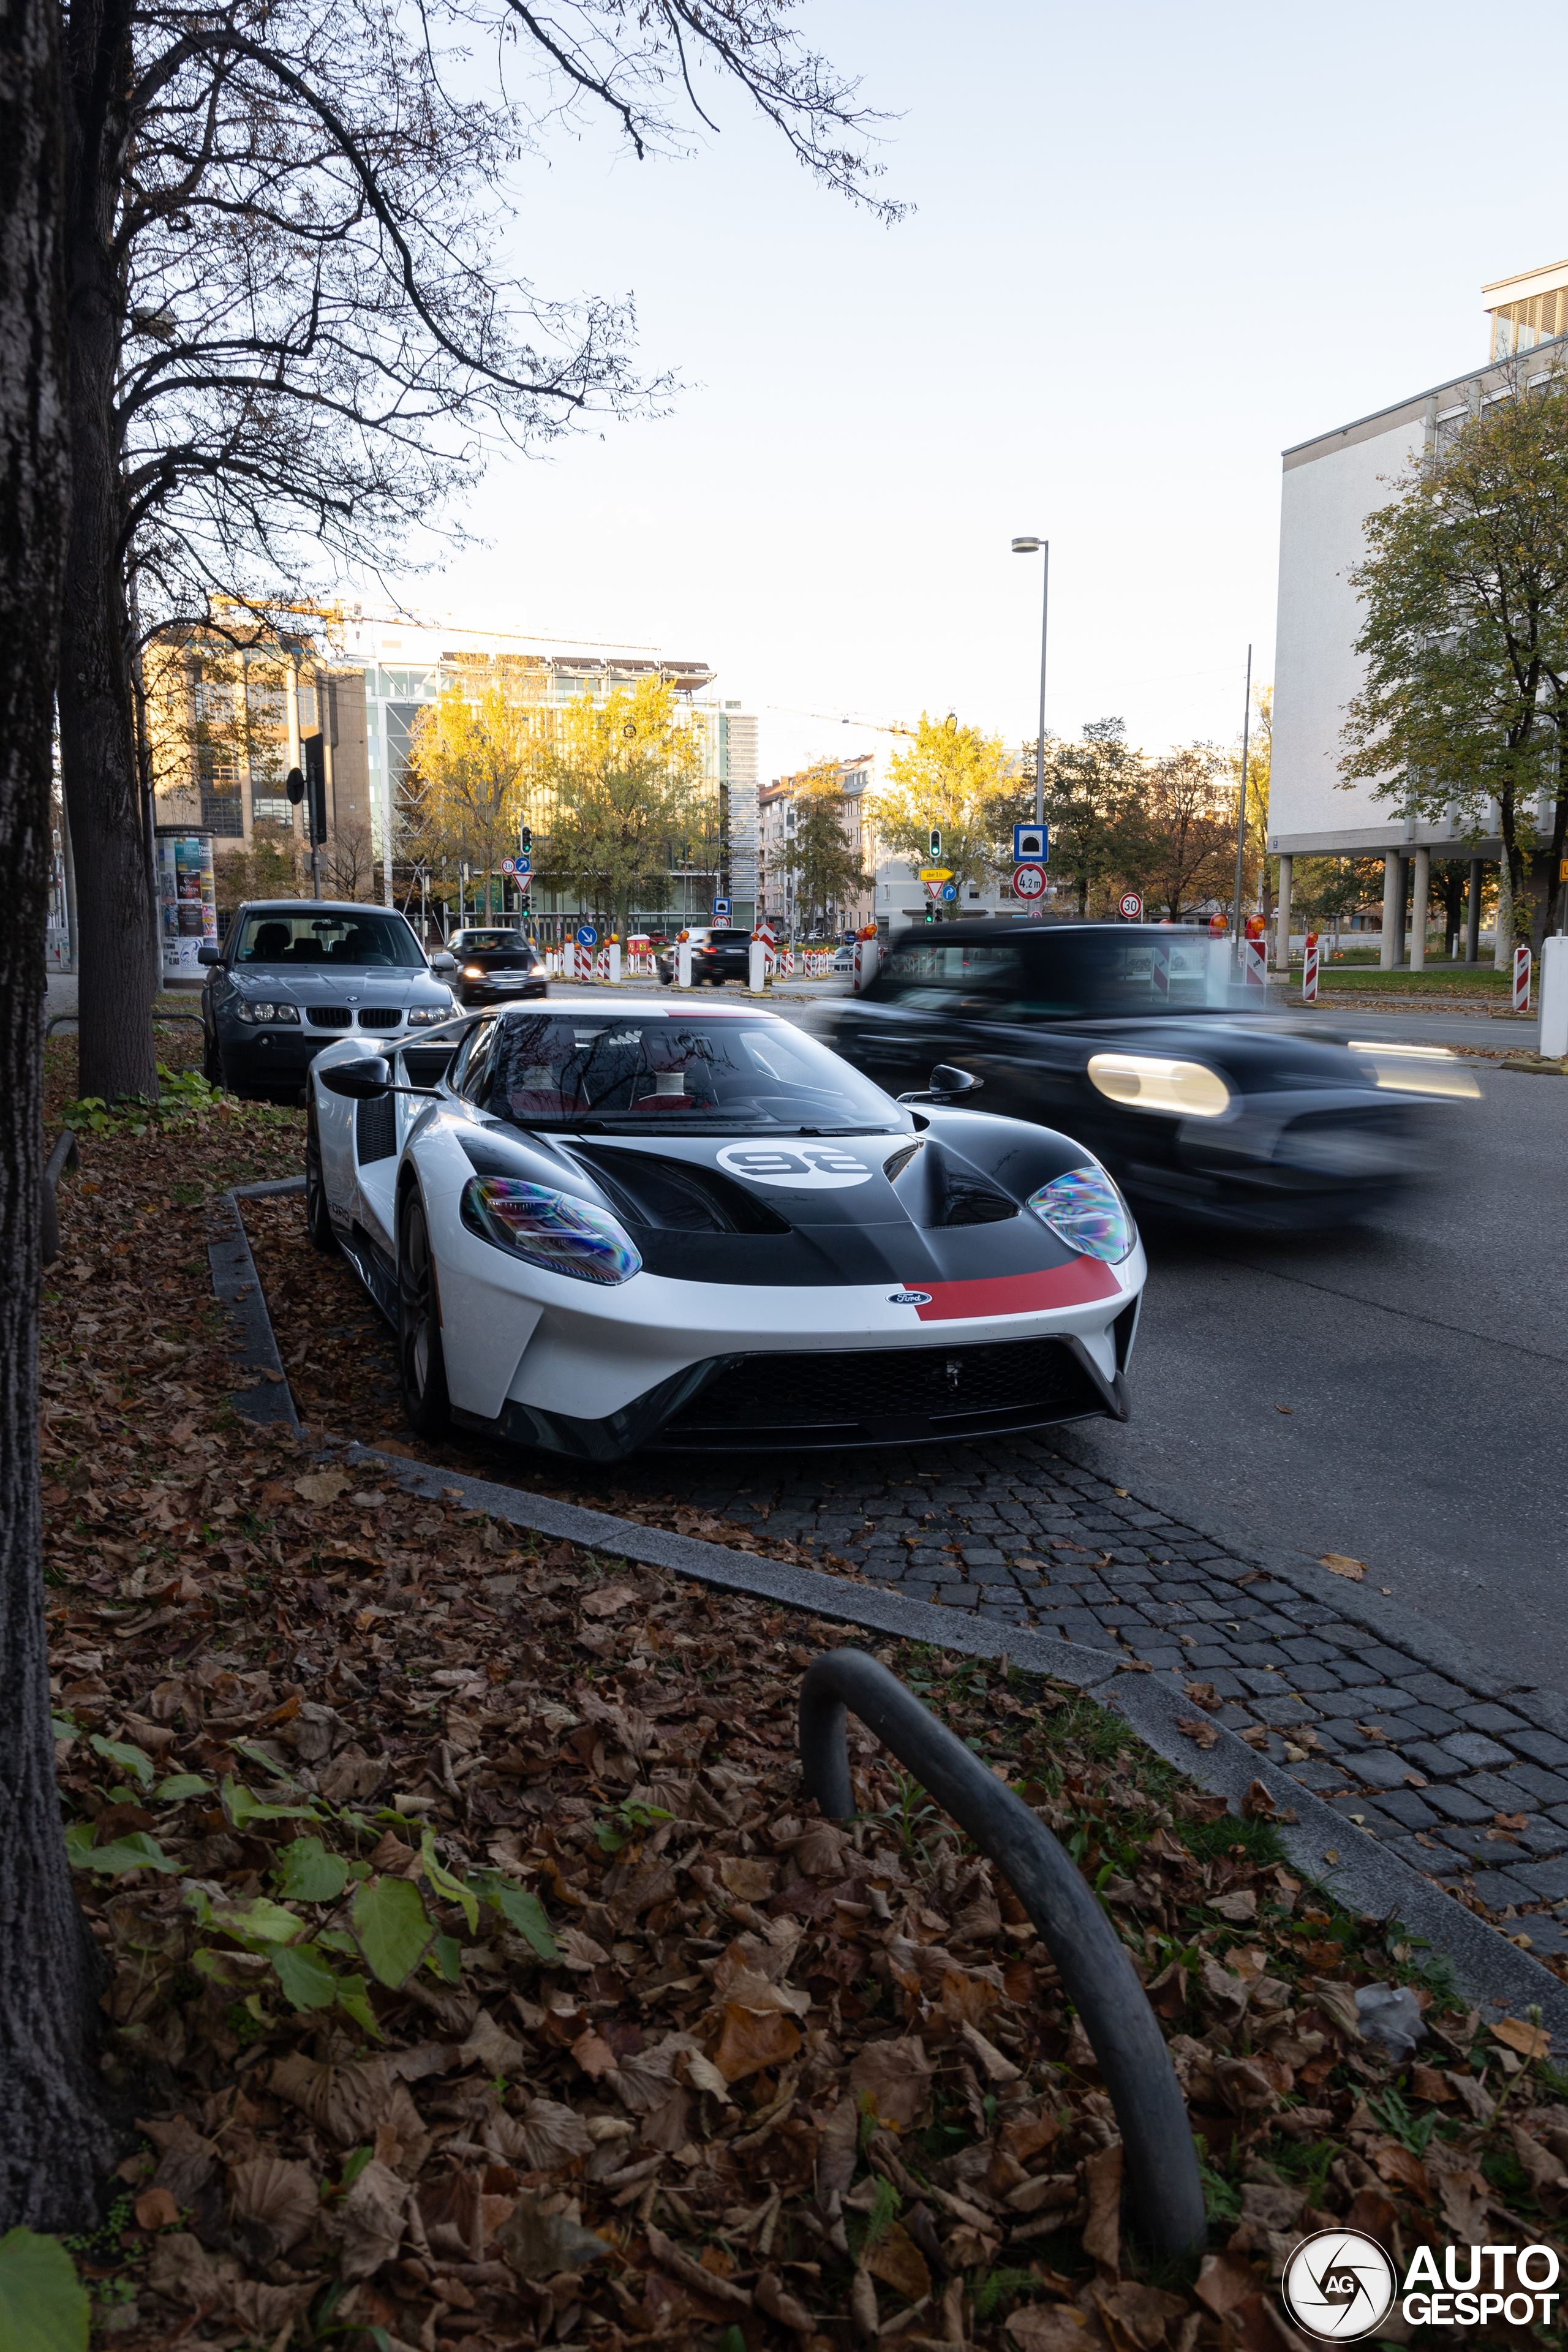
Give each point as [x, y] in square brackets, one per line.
[1424, 1358]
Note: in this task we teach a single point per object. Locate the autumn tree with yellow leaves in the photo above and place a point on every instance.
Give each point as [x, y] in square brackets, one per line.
[618, 797]
[955, 778]
[464, 790]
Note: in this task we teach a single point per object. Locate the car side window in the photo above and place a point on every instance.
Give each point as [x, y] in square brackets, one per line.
[950, 976]
[471, 1071]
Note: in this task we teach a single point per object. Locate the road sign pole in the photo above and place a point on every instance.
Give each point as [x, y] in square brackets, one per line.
[1040, 740]
[1241, 803]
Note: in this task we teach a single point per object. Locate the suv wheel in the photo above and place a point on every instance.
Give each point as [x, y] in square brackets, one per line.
[421, 1366]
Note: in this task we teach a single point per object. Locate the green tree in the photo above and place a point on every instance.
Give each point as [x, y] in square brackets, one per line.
[1090, 802]
[1258, 869]
[1325, 890]
[616, 795]
[817, 854]
[1182, 839]
[955, 779]
[1465, 639]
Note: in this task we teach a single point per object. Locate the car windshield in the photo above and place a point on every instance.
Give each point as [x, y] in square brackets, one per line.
[561, 1070]
[1062, 974]
[367, 941]
[487, 943]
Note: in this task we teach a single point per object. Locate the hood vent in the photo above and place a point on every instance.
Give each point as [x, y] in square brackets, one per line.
[939, 1190]
[678, 1196]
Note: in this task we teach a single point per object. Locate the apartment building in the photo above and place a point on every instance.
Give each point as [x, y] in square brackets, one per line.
[1331, 484]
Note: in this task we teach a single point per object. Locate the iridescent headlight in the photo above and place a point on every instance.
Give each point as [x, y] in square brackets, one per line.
[549, 1229]
[1085, 1210]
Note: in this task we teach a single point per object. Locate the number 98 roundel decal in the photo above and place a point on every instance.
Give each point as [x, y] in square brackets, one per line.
[822, 1167]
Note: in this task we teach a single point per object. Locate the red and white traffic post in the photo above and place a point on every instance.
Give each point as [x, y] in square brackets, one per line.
[1310, 969]
[760, 960]
[1521, 979]
[1254, 954]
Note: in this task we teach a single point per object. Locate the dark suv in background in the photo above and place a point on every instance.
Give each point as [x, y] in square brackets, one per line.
[495, 964]
[716, 956]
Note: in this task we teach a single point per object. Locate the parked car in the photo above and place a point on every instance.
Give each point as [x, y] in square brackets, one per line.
[494, 966]
[716, 956]
[296, 973]
[598, 1225]
[1134, 1039]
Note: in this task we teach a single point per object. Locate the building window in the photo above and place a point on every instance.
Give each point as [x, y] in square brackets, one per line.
[1520, 326]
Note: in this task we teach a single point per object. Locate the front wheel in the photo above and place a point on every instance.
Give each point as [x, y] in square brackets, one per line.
[421, 1365]
[318, 1222]
[211, 1061]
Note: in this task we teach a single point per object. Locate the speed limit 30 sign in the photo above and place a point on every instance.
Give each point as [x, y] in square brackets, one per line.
[1030, 881]
[1132, 907]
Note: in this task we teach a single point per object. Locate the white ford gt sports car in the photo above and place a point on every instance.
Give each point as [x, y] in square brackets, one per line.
[599, 1226]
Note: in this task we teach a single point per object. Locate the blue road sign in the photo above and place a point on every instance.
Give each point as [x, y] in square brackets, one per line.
[523, 866]
[720, 910]
[950, 891]
[587, 937]
[1031, 844]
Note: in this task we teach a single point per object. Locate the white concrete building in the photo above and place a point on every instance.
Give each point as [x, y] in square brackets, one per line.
[1331, 485]
[404, 665]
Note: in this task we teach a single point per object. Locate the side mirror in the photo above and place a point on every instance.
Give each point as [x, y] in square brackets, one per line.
[364, 1081]
[945, 1082]
[208, 953]
[442, 962]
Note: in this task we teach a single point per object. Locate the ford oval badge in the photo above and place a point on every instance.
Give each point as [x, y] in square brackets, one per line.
[909, 1297]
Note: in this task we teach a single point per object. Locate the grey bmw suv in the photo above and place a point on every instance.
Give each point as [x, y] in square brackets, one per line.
[296, 973]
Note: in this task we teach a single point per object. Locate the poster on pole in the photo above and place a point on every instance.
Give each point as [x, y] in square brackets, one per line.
[187, 901]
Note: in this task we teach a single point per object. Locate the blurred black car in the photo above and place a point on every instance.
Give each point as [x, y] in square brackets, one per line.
[494, 967]
[1137, 1041]
[296, 974]
[716, 956]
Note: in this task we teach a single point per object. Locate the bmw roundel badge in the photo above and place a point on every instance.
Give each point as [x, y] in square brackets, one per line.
[908, 1298]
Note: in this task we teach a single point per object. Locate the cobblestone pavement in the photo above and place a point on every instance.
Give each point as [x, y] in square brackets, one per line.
[1469, 1785]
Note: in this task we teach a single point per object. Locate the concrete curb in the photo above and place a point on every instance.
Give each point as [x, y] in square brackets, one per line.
[236, 1283]
[1490, 1971]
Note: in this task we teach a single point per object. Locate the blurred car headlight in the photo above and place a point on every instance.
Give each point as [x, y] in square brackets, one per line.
[424, 1016]
[1417, 1069]
[473, 972]
[1085, 1210]
[250, 1008]
[1151, 1082]
[549, 1229]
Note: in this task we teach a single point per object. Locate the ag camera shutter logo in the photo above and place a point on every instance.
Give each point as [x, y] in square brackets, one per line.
[1339, 2285]
[814, 1167]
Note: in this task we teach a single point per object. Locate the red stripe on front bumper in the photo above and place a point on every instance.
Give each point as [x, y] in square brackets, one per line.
[1087, 1278]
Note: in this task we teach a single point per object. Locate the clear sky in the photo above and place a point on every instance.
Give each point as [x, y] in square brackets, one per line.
[1154, 246]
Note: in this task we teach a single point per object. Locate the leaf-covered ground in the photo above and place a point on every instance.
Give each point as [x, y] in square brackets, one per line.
[477, 1977]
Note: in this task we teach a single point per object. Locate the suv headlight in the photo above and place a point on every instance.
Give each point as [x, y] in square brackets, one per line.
[1151, 1082]
[424, 1016]
[549, 1229]
[1085, 1210]
[250, 1008]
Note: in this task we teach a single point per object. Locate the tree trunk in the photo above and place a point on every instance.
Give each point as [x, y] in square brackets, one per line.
[54, 2143]
[97, 741]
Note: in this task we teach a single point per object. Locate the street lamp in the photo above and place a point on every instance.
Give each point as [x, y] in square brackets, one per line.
[1028, 543]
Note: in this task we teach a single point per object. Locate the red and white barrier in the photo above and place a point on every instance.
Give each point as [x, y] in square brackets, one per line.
[1521, 979]
[1310, 969]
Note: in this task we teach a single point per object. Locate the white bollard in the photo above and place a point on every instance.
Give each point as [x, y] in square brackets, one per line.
[615, 963]
[683, 963]
[870, 958]
[757, 977]
[1554, 997]
[1310, 969]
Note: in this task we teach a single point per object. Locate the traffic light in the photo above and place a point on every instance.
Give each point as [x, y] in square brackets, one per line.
[315, 750]
[525, 841]
[935, 843]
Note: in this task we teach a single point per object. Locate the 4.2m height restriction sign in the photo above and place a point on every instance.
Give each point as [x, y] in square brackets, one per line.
[1030, 881]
